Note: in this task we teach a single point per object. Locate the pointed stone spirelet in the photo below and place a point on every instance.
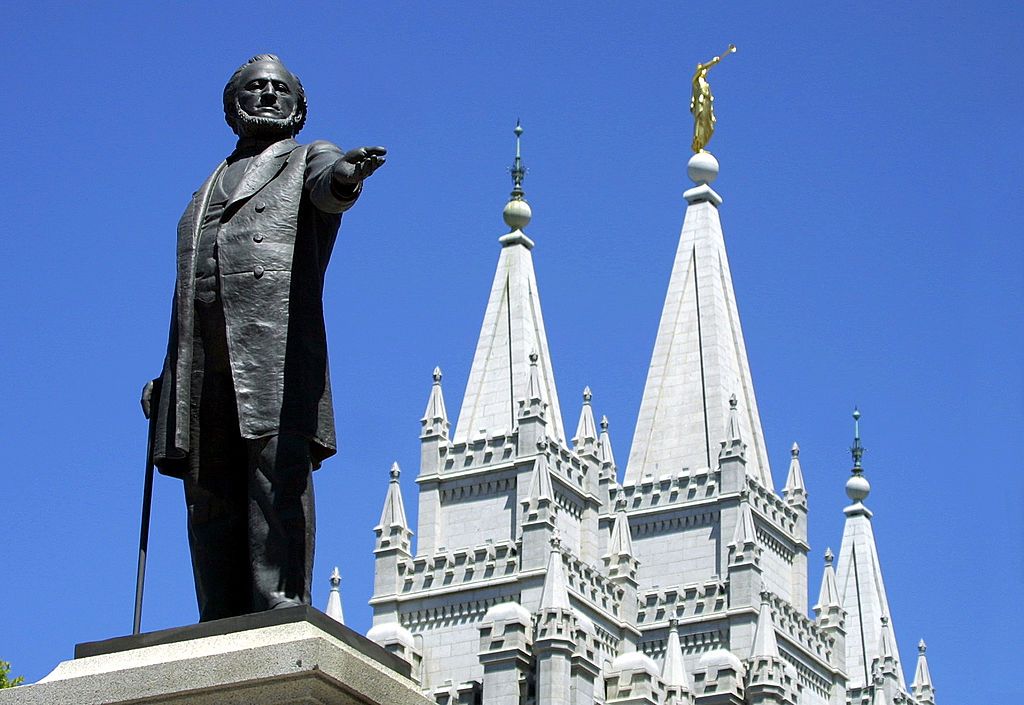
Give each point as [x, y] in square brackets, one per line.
[435, 417]
[621, 543]
[828, 596]
[745, 533]
[540, 484]
[334, 598]
[555, 595]
[604, 448]
[534, 393]
[586, 430]
[765, 643]
[924, 690]
[673, 673]
[795, 478]
[393, 514]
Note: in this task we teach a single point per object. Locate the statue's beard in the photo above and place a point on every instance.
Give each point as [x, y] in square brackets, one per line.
[265, 127]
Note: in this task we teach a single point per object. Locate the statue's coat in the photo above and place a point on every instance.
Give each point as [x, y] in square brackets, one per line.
[274, 243]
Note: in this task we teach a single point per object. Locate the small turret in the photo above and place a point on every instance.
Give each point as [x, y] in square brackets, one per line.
[678, 688]
[334, 610]
[585, 440]
[555, 634]
[794, 491]
[394, 539]
[924, 691]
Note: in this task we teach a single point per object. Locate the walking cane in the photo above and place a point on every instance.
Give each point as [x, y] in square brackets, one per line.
[147, 503]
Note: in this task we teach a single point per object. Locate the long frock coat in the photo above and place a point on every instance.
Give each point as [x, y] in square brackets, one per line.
[275, 239]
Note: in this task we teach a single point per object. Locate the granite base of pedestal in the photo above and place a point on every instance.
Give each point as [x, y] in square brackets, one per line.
[296, 656]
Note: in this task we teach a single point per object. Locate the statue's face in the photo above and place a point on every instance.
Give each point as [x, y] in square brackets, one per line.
[267, 90]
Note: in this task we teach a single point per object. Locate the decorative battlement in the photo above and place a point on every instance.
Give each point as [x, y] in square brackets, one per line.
[592, 585]
[693, 602]
[685, 486]
[458, 567]
[774, 508]
[478, 453]
[801, 630]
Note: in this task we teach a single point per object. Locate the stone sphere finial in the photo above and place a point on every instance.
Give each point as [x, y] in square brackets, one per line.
[858, 488]
[702, 168]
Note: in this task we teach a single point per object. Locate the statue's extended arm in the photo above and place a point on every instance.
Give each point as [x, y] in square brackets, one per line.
[334, 179]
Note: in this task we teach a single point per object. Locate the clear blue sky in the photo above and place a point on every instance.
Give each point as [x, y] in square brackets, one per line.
[871, 169]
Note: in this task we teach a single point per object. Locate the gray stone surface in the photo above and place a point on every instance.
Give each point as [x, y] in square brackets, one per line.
[285, 664]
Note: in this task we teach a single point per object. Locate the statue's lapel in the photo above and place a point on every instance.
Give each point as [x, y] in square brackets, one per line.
[264, 168]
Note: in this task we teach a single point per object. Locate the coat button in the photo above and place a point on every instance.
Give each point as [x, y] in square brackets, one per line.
[257, 238]
[260, 207]
[258, 271]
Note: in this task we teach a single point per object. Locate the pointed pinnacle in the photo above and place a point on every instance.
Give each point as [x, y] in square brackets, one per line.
[795, 450]
[395, 471]
[437, 375]
[587, 395]
[922, 647]
[828, 556]
[604, 423]
[335, 577]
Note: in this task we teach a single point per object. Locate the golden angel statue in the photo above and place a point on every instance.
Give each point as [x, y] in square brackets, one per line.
[702, 103]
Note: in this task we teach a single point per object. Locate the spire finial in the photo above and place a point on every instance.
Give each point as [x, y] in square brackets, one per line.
[587, 395]
[922, 647]
[395, 471]
[437, 375]
[828, 556]
[857, 450]
[857, 487]
[335, 578]
[517, 211]
[795, 450]
[604, 423]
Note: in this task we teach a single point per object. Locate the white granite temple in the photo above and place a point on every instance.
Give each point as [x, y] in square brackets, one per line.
[544, 574]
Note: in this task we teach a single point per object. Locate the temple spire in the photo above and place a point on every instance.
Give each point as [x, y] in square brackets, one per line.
[512, 328]
[859, 577]
[605, 453]
[828, 597]
[699, 360]
[765, 643]
[334, 598]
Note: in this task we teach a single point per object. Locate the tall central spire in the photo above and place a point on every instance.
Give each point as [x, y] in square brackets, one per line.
[700, 359]
[512, 330]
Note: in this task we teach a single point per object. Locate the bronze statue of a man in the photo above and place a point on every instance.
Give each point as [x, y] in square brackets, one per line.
[242, 410]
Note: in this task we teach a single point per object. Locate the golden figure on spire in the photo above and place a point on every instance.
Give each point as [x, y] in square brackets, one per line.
[702, 103]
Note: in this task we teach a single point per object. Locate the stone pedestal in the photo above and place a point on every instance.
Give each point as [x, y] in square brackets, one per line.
[296, 656]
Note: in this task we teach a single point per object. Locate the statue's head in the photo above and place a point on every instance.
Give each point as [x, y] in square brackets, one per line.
[264, 99]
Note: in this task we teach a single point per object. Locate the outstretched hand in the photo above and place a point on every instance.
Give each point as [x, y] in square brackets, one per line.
[359, 163]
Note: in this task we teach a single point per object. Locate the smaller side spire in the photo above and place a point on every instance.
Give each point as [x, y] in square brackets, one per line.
[621, 543]
[334, 610]
[555, 595]
[733, 446]
[393, 529]
[604, 445]
[828, 598]
[765, 643]
[794, 489]
[585, 440]
[435, 417]
[678, 689]
[924, 690]
[744, 542]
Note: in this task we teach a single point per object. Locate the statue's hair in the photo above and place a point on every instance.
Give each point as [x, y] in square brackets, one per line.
[231, 93]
